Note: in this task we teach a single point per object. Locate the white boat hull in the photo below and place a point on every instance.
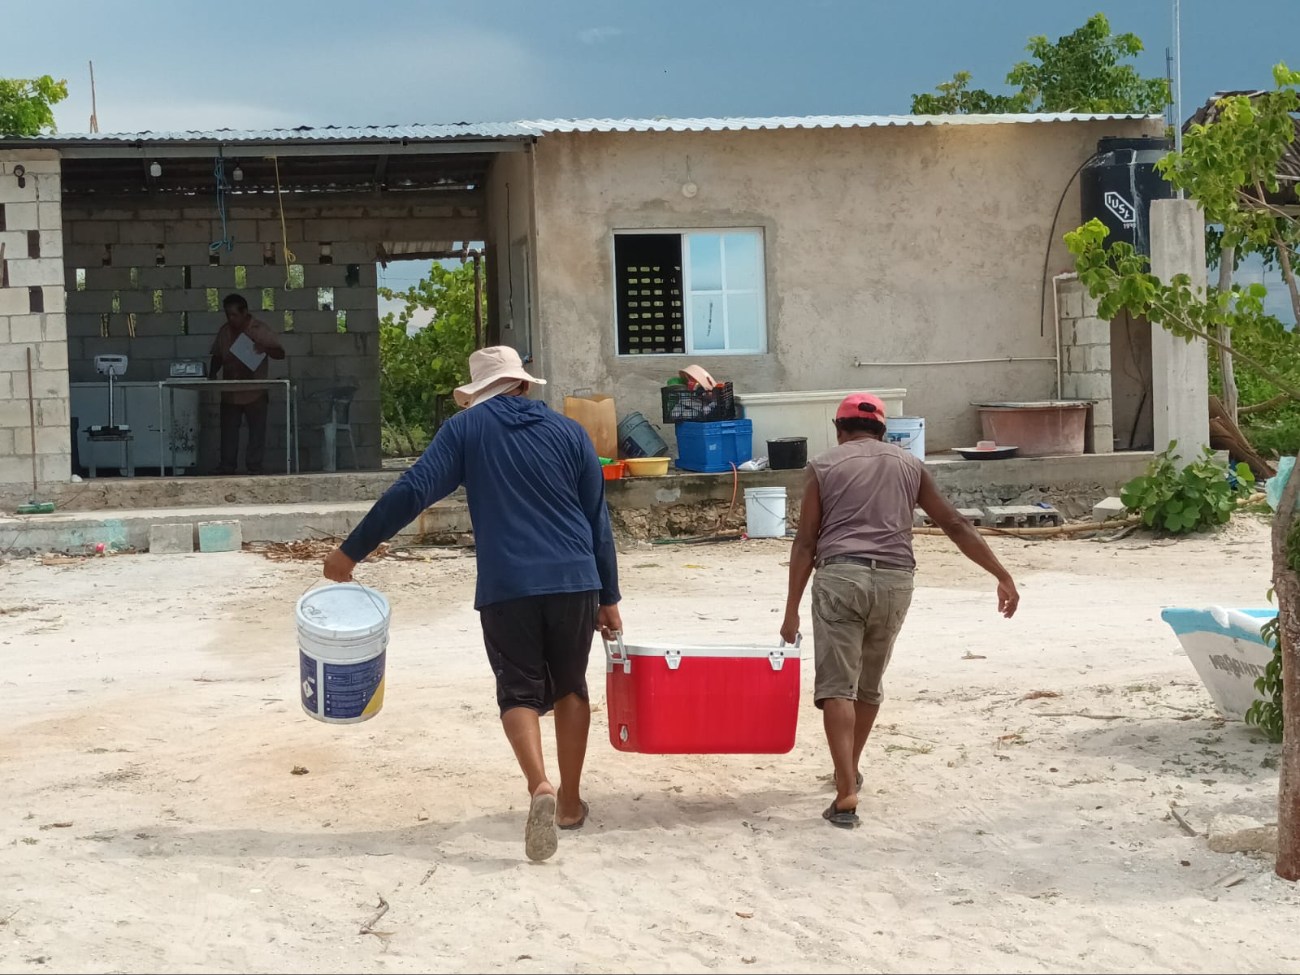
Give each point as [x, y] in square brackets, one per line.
[1225, 647]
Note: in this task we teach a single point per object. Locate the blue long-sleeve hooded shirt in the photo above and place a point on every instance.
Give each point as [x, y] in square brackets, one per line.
[536, 496]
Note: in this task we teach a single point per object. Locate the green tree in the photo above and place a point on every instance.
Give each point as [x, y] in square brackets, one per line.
[1230, 167]
[956, 97]
[416, 370]
[1084, 71]
[27, 104]
[1219, 171]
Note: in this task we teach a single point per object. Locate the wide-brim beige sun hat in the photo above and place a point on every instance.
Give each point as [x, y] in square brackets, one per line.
[490, 366]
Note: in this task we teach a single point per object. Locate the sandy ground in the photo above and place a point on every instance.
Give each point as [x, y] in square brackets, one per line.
[150, 710]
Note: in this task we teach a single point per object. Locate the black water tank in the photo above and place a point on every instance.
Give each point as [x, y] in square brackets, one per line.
[1118, 184]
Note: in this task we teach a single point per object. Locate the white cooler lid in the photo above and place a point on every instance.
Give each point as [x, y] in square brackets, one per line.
[668, 649]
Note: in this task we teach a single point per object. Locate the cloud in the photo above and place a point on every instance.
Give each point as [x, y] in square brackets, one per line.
[462, 74]
[599, 35]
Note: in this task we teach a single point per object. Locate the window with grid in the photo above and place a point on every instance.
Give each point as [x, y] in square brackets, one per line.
[690, 292]
[649, 294]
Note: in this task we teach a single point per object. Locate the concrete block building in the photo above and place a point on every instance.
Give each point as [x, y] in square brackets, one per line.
[781, 254]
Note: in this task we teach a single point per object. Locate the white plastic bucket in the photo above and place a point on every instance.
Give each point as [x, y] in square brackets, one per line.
[765, 512]
[342, 646]
[907, 432]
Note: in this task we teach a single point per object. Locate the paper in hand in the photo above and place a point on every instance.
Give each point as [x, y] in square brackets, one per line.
[246, 352]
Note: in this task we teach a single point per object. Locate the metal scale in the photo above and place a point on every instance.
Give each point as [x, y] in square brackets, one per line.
[114, 367]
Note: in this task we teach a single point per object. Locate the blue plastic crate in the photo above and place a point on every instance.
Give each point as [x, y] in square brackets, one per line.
[711, 448]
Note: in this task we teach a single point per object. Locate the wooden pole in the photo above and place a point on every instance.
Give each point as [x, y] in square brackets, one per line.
[94, 110]
[1226, 260]
[478, 299]
[31, 415]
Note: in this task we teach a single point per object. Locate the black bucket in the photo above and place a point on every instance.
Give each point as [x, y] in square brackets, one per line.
[788, 453]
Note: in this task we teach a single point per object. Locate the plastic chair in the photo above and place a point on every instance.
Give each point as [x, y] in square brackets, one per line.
[339, 400]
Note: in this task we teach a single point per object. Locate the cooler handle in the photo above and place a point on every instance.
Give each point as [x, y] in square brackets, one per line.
[616, 654]
[777, 657]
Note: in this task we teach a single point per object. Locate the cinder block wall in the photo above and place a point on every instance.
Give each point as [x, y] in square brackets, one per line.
[154, 269]
[32, 319]
[1085, 362]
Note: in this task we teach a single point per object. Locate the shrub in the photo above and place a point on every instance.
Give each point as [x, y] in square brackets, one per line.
[1197, 497]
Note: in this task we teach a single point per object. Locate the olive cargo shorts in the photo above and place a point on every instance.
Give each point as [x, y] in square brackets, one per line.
[857, 612]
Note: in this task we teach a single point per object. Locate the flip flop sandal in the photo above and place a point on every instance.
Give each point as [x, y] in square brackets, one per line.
[841, 818]
[540, 838]
[586, 811]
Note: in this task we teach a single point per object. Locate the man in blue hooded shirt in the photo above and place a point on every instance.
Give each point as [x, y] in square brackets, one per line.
[547, 568]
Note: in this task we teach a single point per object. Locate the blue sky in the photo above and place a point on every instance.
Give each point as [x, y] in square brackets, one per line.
[176, 65]
[182, 65]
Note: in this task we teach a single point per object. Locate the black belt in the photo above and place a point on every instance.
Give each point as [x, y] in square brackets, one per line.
[869, 563]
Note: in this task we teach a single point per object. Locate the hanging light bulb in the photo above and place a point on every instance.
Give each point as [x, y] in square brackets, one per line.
[238, 174]
[155, 170]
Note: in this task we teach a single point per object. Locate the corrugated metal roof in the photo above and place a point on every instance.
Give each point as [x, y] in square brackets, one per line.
[306, 133]
[806, 122]
[533, 128]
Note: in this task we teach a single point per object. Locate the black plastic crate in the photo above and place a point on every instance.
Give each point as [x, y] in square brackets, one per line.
[699, 405]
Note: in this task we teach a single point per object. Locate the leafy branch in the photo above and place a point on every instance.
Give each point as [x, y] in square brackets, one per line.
[1118, 277]
[27, 104]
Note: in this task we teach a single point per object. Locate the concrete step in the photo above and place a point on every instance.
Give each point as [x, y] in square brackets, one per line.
[105, 493]
[1090, 476]
[78, 531]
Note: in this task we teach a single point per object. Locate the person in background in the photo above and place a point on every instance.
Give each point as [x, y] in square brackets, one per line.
[547, 568]
[855, 528]
[240, 405]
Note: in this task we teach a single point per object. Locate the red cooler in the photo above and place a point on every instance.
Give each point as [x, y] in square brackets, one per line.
[668, 700]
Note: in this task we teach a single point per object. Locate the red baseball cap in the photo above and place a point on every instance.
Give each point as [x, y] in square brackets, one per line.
[861, 405]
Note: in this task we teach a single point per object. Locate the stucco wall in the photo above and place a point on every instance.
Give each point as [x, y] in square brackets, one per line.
[885, 244]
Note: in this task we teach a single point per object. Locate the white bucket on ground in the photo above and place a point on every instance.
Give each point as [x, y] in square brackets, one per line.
[907, 432]
[342, 645]
[765, 512]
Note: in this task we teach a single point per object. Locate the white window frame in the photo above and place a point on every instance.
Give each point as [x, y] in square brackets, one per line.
[687, 292]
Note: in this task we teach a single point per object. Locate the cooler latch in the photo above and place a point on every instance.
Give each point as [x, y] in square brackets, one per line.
[673, 658]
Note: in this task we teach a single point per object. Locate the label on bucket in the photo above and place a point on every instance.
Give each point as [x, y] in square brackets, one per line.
[342, 692]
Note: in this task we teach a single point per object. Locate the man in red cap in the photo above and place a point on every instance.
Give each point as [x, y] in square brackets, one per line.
[855, 528]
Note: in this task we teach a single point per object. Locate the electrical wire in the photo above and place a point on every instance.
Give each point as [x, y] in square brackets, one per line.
[290, 258]
[219, 174]
[1047, 253]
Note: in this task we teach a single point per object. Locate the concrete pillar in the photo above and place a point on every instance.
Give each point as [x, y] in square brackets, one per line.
[33, 319]
[1179, 374]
